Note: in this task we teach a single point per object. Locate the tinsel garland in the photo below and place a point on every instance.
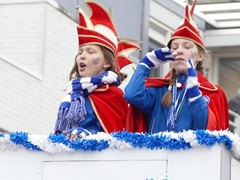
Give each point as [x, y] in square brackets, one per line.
[57, 143]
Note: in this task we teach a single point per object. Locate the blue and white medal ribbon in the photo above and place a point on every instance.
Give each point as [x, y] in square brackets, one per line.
[175, 107]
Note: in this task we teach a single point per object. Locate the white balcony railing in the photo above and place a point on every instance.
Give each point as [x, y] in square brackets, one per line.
[198, 155]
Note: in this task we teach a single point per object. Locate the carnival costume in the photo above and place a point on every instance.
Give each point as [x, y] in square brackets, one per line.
[196, 102]
[96, 104]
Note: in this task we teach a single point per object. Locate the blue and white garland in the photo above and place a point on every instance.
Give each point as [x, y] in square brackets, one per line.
[58, 143]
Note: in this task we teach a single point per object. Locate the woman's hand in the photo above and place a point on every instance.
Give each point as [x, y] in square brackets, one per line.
[157, 57]
[192, 82]
[76, 133]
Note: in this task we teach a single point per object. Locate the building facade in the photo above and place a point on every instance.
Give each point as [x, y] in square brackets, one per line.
[38, 44]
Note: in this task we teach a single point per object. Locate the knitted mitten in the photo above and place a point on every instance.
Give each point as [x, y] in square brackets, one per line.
[157, 57]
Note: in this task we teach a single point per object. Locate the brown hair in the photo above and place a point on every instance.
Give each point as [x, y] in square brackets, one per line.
[109, 57]
[167, 98]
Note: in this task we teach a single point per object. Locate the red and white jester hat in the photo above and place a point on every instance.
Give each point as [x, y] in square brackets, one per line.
[188, 29]
[99, 29]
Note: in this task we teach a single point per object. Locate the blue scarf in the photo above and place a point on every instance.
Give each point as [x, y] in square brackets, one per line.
[72, 108]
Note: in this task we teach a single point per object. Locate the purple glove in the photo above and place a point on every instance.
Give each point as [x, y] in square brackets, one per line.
[192, 82]
[157, 57]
